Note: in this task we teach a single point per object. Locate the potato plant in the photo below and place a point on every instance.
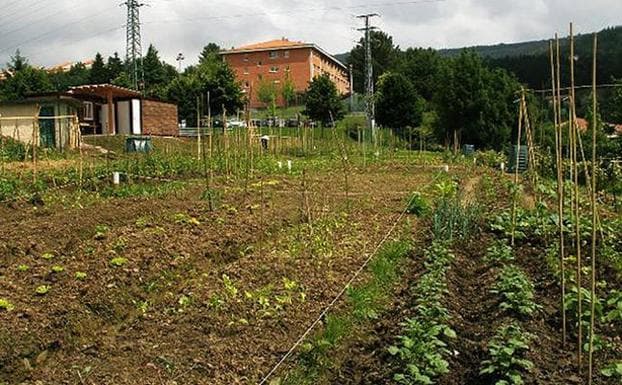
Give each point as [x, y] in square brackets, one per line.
[506, 362]
[516, 291]
[422, 347]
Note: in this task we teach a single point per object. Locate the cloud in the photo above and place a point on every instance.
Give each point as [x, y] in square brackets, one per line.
[76, 30]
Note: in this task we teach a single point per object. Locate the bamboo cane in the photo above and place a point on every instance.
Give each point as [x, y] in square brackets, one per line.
[515, 192]
[576, 204]
[560, 177]
[594, 208]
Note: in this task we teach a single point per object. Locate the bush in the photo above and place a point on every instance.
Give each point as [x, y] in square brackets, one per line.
[11, 150]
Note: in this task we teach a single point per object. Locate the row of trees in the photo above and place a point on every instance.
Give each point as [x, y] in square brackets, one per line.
[462, 99]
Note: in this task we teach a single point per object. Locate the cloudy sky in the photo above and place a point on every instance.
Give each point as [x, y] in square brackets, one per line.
[49, 32]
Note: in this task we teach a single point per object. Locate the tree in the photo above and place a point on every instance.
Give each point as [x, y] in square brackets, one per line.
[288, 91]
[157, 73]
[18, 62]
[213, 76]
[398, 105]
[384, 54]
[475, 104]
[267, 92]
[209, 52]
[422, 68]
[99, 73]
[77, 75]
[25, 82]
[114, 67]
[322, 101]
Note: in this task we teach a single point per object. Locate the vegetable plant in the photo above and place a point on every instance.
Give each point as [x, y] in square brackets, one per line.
[507, 349]
[42, 290]
[118, 261]
[6, 305]
[516, 291]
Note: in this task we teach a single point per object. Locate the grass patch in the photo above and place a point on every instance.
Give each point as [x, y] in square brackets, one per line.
[365, 302]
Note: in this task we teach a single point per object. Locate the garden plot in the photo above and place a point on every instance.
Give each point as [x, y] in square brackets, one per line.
[164, 290]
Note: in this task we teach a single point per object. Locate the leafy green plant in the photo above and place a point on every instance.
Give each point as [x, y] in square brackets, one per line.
[417, 205]
[80, 276]
[572, 302]
[422, 346]
[499, 252]
[42, 290]
[57, 269]
[23, 268]
[101, 231]
[516, 290]
[6, 305]
[118, 261]
[614, 307]
[613, 370]
[506, 349]
[47, 256]
[453, 219]
[230, 288]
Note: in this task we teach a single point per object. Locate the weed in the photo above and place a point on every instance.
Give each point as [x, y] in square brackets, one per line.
[230, 289]
[506, 350]
[516, 290]
[42, 290]
[57, 269]
[47, 256]
[6, 305]
[118, 261]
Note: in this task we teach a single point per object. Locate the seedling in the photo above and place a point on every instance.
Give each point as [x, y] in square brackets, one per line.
[230, 288]
[47, 256]
[101, 231]
[42, 290]
[57, 269]
[118, 261]
[185, 219]
[6, 305]
[23, 268]
[80, 276]
[613, 370]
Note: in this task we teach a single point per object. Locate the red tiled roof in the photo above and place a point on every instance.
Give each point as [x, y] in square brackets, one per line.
[271, 44]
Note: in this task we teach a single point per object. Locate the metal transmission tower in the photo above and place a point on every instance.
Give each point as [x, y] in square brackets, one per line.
[369, 73]
[134, 51]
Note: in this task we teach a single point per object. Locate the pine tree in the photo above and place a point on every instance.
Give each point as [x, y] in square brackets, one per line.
[99, 73]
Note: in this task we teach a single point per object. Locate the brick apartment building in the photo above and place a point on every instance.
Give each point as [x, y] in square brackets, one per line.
[279, 60]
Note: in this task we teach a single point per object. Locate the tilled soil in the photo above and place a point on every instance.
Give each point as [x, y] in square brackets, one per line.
[167, 314]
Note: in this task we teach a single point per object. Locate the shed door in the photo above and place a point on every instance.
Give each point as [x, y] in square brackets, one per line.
[47, 127]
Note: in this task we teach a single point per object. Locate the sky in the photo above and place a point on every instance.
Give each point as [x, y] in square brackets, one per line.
[50, 32]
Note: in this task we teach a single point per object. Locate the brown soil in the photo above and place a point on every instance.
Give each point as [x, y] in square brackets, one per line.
[165, 316]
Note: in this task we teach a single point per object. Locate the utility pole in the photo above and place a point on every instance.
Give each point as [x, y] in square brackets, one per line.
[134, 51]
[369, 74]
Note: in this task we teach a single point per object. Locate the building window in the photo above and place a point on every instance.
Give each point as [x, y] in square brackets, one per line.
[274, 54]
[274, 70]
[286, 54]
[87, 110]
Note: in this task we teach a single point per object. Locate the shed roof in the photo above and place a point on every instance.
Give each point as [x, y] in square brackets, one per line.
[103, 91]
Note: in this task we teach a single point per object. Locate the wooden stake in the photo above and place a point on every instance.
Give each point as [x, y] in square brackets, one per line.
[576, 203]
[594, 208]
